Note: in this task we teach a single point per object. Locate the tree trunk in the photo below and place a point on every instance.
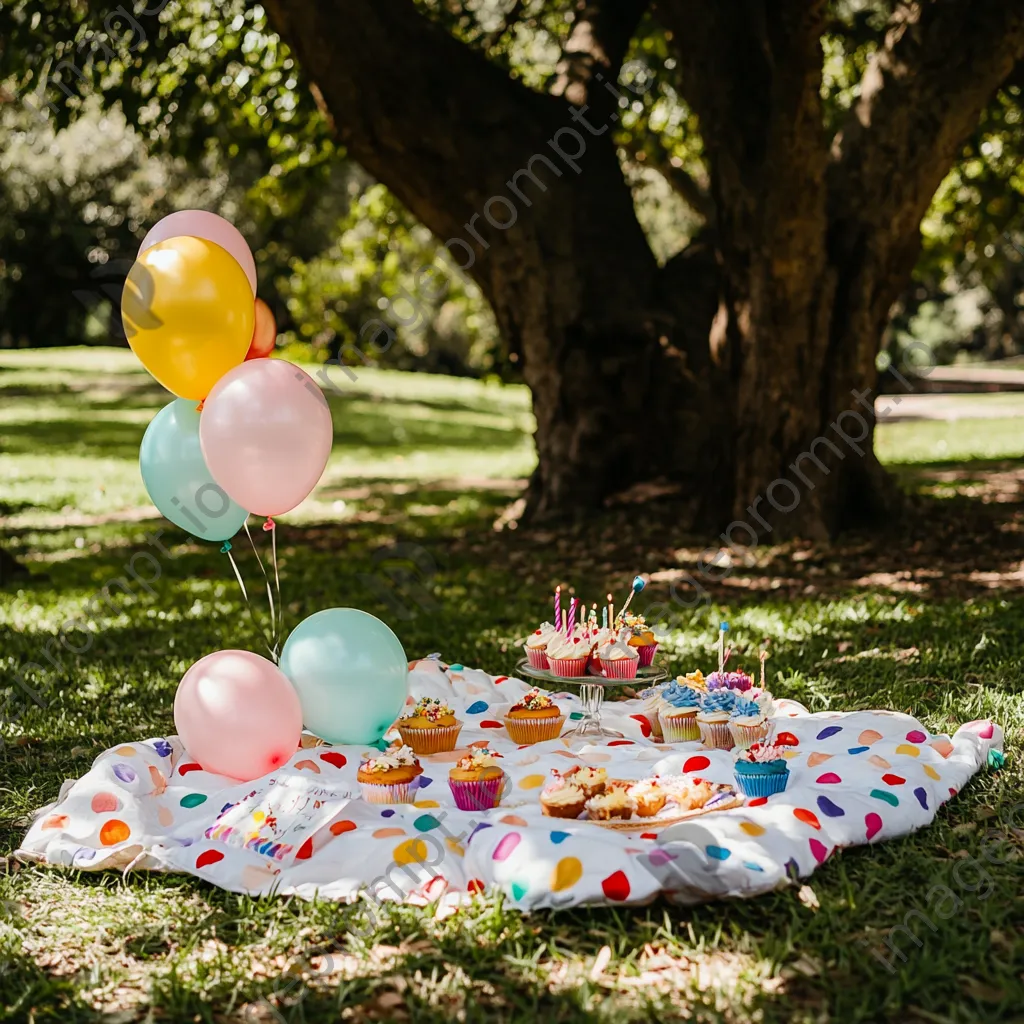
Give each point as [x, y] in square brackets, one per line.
[743, 371]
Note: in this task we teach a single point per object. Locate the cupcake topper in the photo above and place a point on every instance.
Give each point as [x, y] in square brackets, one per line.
[723, 628]
[764, 657]
[638, 585]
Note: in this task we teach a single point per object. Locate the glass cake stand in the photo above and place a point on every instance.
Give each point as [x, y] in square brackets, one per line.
[592, 689]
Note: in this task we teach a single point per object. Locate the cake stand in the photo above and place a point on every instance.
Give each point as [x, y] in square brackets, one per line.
[592, 687]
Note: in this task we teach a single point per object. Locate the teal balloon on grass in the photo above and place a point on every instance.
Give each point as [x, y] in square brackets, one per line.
[350, 672]
[177, 480]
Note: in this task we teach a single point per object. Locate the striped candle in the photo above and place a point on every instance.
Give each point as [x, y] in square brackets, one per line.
[558, 608]
[571, 625]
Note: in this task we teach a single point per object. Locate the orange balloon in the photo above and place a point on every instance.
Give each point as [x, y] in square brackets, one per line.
[264, 332]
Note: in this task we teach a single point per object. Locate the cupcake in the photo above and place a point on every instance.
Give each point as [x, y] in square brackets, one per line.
[649, 796]
[561, 799]
[730, 681]
[713, 719]
[688, 794]
[568, 656]
[618, 660]
[748, 723]
[612, 803]
[678, 713]
[536, 645]
[641, 637]
[651, 706]
[391, 777]
[761, 770]
[477, 780]
[591, 780]
[430, 727]
[534, 719]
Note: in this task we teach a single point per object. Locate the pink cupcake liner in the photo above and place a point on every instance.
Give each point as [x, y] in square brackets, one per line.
[397, 793]
[533, 730]
[716, 735]
[745, 735]
[477, 796]
[569, 668]
[679, 728]
[537, 657]
[431, 741]
[621, 668]
[647, 653]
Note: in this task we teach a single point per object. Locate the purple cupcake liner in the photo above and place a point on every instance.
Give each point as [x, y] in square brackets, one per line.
[482, 795]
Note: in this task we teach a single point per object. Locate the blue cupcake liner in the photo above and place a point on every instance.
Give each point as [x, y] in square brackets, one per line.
[765, 784]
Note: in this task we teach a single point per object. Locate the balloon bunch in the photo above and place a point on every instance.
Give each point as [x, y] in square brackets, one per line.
[343, 674]
[247, 434]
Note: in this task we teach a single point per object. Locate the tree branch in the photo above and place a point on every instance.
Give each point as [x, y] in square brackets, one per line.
[419, 110]
[921, 97]
[597, 44]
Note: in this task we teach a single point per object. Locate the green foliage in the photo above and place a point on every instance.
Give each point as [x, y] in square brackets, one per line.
[218, 115]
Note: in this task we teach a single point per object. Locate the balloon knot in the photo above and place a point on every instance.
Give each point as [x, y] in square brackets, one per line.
[199, 407]
[269, 524]
[225, 547]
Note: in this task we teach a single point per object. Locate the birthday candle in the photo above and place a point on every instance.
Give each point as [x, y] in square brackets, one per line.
[558, 608]
[604, 617]
[723, 628]
[611, 612]
[571, 624]
[764, 658]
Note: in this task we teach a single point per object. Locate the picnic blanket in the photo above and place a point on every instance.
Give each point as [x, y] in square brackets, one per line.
[858, 777]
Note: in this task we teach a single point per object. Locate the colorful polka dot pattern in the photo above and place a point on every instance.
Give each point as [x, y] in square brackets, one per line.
[855, 778]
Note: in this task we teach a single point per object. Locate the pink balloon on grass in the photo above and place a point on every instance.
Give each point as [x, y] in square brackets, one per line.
[266, 434]
[237, 714]
[211, 227]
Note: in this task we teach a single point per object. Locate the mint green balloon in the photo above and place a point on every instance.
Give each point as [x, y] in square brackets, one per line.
[350, 672]
[177, 480]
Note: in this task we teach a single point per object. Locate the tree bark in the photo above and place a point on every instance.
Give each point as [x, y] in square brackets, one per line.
[722, 369]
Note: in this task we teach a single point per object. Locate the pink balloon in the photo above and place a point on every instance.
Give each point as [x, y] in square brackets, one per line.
[266, 435]
[237, 714]
[203, 224]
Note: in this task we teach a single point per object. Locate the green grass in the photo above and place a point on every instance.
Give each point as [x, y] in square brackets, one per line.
[926, 619]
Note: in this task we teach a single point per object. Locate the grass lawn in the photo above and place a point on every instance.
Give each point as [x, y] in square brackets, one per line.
[926, 618]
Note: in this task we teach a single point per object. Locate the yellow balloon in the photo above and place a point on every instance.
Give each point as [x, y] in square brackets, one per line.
[188, 313]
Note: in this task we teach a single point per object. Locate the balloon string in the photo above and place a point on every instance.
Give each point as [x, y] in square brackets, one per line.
[279, 635]
[238, 576]
[270, 596]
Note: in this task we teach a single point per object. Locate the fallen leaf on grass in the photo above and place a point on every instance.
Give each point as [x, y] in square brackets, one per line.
[807, 897]
[601, 961]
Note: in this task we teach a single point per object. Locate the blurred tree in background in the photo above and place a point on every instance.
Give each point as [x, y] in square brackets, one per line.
[331, 245]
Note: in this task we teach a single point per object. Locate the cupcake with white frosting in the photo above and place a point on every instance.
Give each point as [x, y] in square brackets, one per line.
[618, 660]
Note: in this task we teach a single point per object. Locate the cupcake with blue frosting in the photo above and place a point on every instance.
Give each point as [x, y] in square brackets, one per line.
[748, 723]
[713, 717]
[677, 713]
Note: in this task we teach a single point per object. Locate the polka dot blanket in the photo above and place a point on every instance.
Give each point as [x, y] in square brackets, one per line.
[860, 777]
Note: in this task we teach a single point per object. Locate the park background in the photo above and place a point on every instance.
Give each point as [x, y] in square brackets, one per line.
[420, 520]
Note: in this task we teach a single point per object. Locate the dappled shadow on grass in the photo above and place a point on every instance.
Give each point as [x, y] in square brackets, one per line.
[900, 619]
